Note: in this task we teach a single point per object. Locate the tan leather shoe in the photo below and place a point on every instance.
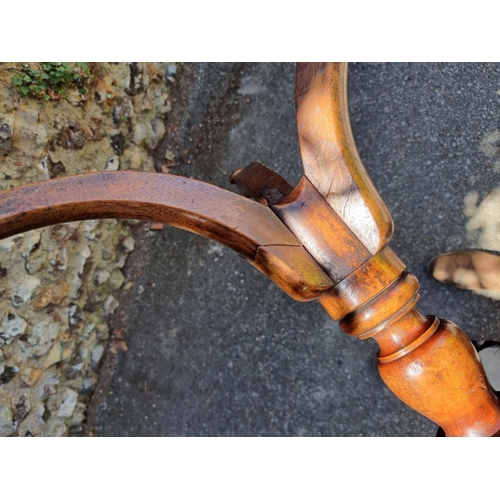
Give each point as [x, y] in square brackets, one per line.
[476, 270]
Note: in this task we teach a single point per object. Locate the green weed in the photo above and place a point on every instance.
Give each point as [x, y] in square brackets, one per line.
[52, 80]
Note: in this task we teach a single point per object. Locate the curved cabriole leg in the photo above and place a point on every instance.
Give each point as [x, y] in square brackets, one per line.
[245, 226]
[329, 155]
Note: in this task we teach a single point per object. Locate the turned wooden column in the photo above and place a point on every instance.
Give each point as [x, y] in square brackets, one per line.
[427, 362]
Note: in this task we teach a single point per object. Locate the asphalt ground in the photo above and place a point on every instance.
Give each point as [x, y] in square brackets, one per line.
[215, 348]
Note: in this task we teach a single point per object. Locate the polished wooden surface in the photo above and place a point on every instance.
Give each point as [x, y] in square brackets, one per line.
[376, 275]
[428, 363]
[443, 379]
[260, 183]
[329, 155]
[247, 227]
[316, 225]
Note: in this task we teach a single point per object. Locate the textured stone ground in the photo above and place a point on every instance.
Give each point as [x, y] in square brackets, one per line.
[59, 284]
[214, 348]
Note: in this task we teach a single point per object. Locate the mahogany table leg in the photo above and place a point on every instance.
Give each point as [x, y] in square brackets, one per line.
[324, 239]
[337, 214]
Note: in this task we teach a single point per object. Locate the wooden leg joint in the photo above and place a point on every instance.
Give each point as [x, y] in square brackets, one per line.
[430, 327]
[362, 285]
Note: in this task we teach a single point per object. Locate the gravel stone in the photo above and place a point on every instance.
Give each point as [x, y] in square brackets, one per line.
[12, 326]
[68, 399]
[25, 290]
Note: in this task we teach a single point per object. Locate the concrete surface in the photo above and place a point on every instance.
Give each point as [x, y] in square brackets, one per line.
[214, 348]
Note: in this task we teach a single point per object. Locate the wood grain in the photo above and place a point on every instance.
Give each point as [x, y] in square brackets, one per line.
[329, 154]
[443, 379]
[239, 223]
[325, 236]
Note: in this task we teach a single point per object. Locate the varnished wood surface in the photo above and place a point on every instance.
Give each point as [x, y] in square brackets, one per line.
[311, 219]
[362, 284]
[241, 224]
[325, 236]
[443, 379]
[329, 154]
[216, 213]
[368, 319]
[428, 363]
